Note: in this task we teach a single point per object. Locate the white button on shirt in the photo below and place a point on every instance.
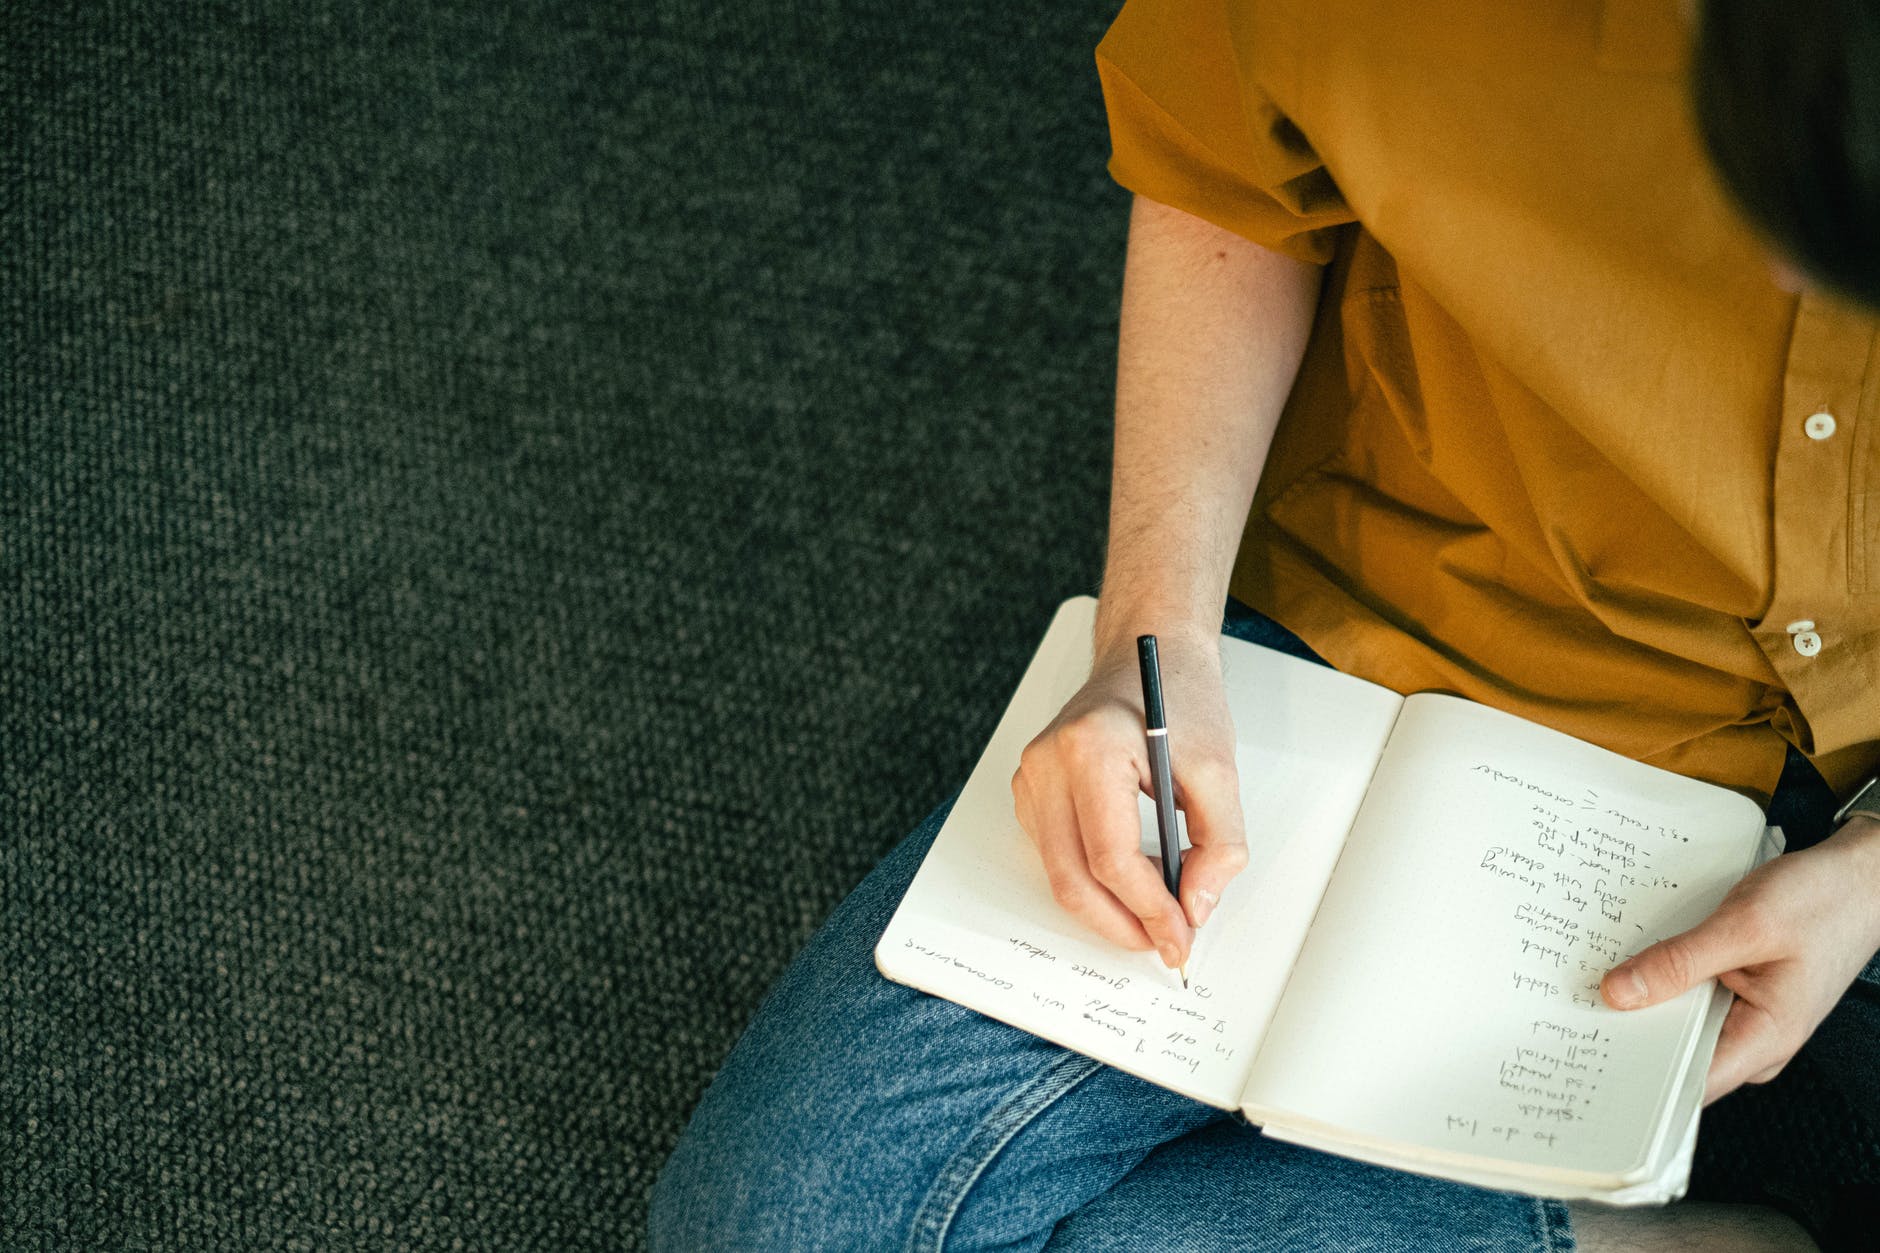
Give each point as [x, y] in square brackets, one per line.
[1802, 635]
[1819, 425]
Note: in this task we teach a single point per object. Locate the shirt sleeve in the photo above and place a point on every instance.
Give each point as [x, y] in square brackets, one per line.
[1189, 128]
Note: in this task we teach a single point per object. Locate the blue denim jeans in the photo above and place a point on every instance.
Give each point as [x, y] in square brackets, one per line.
[856, 1113]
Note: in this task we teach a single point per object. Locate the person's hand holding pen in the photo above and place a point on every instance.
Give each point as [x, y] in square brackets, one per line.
[1211, 333]
[1076, 787]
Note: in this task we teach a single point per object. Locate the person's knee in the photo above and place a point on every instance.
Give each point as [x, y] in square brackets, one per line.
[798, 1142]
[684, 1190]
[740, 1183]
[832, 1129]
[706, 1200]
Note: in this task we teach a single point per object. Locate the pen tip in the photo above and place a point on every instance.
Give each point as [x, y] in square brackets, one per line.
[1184, 970]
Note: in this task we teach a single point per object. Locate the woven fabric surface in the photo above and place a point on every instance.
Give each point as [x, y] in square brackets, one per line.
[509, 510]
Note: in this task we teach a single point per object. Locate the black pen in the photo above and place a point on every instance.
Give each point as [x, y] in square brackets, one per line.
[1161, 774]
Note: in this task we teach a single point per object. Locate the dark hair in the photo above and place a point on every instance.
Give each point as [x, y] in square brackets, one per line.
[1788, 103]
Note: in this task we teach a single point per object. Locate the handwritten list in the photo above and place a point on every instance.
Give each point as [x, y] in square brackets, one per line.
[1495, 874]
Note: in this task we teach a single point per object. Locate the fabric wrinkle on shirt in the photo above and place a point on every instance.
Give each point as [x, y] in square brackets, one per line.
[1559, 444]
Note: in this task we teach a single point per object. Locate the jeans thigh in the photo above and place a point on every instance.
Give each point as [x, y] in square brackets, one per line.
[1227, 1187]
[857, 1113]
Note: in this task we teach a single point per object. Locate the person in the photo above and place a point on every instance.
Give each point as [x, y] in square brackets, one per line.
[1522, 354]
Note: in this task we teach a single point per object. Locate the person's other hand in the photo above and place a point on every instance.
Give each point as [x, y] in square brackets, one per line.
[1788, 940]
[1077, 783]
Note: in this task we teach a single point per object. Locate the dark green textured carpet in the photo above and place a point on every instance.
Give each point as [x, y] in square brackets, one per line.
[508, 511]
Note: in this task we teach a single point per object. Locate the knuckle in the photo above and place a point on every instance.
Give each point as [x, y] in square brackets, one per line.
[1678, 962]
[1069, 893]
[1215, 774]
[1752, 923]
[1110, 865]
[1232, 858]
[1021, 808]
[1085, 740]
[1165, 923]
[1077, 735]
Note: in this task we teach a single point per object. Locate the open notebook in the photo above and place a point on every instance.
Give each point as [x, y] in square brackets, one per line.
[1407, 971]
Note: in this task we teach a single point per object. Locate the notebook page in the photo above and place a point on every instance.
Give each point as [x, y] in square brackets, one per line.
[979, 925]
[1667, 1178]
[1498, 869]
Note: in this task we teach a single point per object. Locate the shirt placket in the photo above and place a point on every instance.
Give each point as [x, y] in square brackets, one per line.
[1808, 633]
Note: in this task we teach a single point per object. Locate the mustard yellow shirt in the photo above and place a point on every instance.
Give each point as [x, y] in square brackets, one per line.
[1560, 444]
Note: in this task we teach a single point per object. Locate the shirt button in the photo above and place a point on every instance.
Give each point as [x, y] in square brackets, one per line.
[1802, 635]
[1819, 425]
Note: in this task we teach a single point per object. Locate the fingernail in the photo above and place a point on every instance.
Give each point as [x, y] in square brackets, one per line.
[1171, 956]
[1205, 901]
[1626, 988]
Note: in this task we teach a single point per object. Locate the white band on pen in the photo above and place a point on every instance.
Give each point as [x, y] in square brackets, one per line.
[1158, 731]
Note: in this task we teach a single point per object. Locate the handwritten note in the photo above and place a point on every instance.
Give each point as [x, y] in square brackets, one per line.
[1176, 1024]
[979, 924]
[1122, 1006]
[1579, 874]
[1497, 871]
[988, 934]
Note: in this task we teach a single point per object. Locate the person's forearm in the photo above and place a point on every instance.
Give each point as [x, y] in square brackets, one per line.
[1212, 332]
